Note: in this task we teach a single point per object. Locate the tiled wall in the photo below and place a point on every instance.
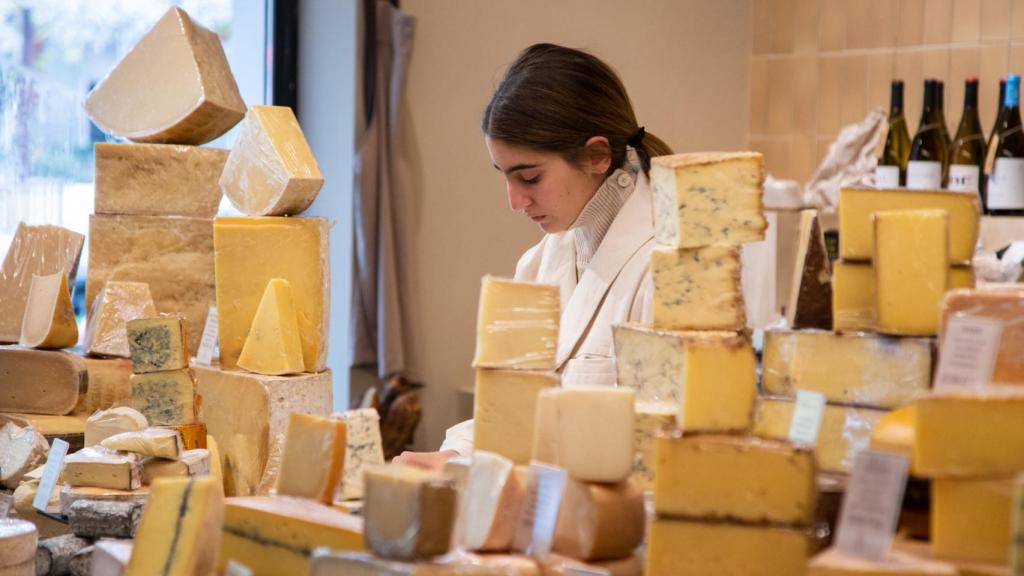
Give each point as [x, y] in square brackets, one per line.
[818, 65]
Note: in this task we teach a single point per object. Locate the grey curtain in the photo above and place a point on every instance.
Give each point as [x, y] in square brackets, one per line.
[378, 332]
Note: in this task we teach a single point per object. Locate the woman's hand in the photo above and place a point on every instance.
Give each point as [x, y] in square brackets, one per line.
[427, 460]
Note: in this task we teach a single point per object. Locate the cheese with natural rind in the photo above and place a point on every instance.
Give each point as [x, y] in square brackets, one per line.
[21, 450]
[894, 432]
[250, 252]
[116, 304]
[684, 547]
[157, 442]
[192, 435]
[971, 518]
[409, 512]
[853, 368]
[517, 325]
[312, 459]
[109, 385]
[106, 423]
[110, 557]
[857, 205]
[157, 344]
[708, 198]
[174, 86]
[832, 562]
[810, 297]
[969, 434]
[273, 345]
[158, 179]
[178, 533]
[708, 377]
[599, 521]
[271, 170]
[911, 264]
[18, 540]
[1005, 305]
[503, 410]
[165, 397]
[844, 430]
[71, 494]
[173, 254]
[49, 320]
[103, 468]
[272, 536]
[327, 562]
[40, 381]
[492, 500]
[363, 448]
[190, 463]
[586, 430]
[247, 414]
[697, 288]
[650, 423]
[34, 250]
[735, 479]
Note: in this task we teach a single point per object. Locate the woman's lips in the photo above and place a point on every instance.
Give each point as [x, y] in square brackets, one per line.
[536, 217]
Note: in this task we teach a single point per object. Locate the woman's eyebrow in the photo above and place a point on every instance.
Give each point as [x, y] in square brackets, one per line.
[516, 168]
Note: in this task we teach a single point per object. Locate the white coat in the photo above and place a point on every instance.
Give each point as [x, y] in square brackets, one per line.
[615, 287]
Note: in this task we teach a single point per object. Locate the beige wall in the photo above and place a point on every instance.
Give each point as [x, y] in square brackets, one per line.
[685, 64]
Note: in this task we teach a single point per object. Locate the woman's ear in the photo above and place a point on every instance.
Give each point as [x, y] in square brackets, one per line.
[597, 155]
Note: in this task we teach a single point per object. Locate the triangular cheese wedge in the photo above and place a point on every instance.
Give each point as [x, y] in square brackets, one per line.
[273, 346]
[180, 528]
[49, 320]
[810, 298]
[116, 304]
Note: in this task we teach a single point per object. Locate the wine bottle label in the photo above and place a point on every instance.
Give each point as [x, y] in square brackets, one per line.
[1006, 186]
[964, 178]
[924, 175]
[887, 176]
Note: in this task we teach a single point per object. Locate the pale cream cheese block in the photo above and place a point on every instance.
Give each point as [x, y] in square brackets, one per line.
[165, 398]
[503, 410]
[103, 468]
[158, 442]
[697, 288]
[157, 344]
[21, 450]
[195, 462]
[492, 501]
[364, 448]
[18, 540]
[517, 325]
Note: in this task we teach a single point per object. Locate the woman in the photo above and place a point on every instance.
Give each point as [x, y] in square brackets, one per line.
[561, 128]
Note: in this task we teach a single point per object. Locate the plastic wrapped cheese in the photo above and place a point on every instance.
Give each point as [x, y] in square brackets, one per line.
[116, 304]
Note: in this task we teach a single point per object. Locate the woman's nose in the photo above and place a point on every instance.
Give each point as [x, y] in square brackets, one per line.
[517, 199]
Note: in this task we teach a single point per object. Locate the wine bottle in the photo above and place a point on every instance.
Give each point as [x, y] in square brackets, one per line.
[967, 155]
[940, 105]
[994, 134]
[928, 155]
[1005, 194]
[891, 171]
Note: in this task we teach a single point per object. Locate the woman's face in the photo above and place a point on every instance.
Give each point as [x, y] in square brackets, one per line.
[543, 185]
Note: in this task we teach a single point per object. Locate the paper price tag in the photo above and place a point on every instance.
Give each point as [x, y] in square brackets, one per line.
[870, 511]
[807, 414]
[544, 491]
[236, 569]
[209, 341]
[51, 473]
[968, 353]
[1017, 535]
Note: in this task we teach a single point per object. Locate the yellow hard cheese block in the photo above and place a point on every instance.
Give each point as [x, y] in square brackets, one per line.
[49, 320]
[165, 397]
[332, 563]
[735, 478]
[832, 562]
[273, 345]
[271, 170]
[708, 198]
[844, 430]
[517, 325]
[1005, 305]
[409, 512]
[179, 530]
[857, 205]
[971, 518]
[117, 303]
[708, 378]
[969, 434]
[697, 288]
[894, 432]
[503, 411]
[313, 456]
[157, 344]
[174, 86]
[858, 368]
[911, 262]
[249, 253]
[600, 521]
[684, 547]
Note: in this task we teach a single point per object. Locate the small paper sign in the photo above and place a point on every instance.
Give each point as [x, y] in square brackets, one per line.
[1017, 534]
[234, 568]
[871, 507]
[968, 353]
[209, 341]
[51, 473]
[544, 491]
[810, 407]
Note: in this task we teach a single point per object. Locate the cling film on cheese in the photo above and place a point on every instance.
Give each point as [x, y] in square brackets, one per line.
[517, 325]
[1004, 305]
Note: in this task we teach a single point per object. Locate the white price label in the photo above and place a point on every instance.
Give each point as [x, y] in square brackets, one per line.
[964, 178]
[51, 473]
[810, 407]
[967, 354]
[1006, 184]
[871, 507]
[924, 175]
[209, 341]
[545, 488]
[887, 176]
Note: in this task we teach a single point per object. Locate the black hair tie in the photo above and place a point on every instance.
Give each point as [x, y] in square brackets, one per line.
[637, 138]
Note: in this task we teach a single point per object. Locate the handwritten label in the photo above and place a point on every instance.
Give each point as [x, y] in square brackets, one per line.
[810, 407]
[209, 341]
[545, 487]
[968, 353]
[867, 521]
[51, 473]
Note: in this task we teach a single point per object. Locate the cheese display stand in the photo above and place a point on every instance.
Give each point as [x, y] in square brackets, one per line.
[721, 451]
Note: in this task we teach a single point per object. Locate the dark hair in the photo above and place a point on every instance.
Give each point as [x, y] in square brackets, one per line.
[555, 98]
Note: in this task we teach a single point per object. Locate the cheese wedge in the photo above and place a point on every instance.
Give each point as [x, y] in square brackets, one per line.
[697, 288]
[165, 397]
[49, 320]
[190, 463]
[157, 344]
[600, 521]
[503, 411]
[517, 325]
[832, 562]
[363, 448]
[409, 512]
[21, 450]
[313, 456]
[116, 304]
[1005, 305]
[174, 86]
[911, 262]
[493, 499]
[110, 557]
[969, 434]
[273, 345]
[810, 297]
[103, 468]
[971, 518]
[157, 442]
[681, 547]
